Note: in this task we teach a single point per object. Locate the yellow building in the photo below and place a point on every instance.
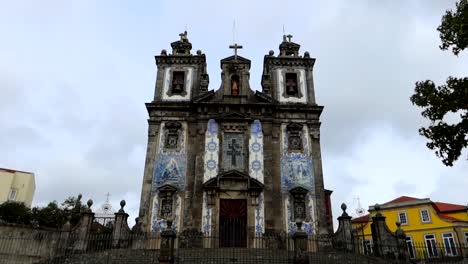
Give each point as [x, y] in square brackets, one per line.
[17, 186]
[433, 229]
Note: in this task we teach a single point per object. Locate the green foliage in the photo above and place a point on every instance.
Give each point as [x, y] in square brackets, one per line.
[454, 28]
[448, 140]
[14, 212]
[52, 215]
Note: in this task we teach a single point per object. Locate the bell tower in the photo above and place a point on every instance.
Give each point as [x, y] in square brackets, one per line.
[181, 77]
[288, 79]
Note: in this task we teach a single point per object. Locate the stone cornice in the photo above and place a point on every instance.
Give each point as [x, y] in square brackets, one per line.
[179, 59]
[289, 61]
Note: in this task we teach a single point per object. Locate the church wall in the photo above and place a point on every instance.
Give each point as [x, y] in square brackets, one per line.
[146, 193]
[170, 168]
[273, 214]
[319, 184]
[297, 170]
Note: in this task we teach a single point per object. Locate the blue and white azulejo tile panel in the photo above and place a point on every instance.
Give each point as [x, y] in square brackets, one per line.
[256, 151]
[296, 167]
[211, 157]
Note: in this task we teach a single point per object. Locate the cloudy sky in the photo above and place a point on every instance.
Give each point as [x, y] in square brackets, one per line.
[74, 77]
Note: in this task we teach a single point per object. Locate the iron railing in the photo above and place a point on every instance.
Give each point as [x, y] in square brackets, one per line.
[63, 247]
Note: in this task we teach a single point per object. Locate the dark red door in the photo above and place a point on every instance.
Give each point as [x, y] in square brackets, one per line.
[233, 223]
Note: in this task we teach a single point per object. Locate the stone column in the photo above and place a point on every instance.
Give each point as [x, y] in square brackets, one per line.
[300, 245]
[343, 238]
[168, 236]
[84, 227]
[120, 233]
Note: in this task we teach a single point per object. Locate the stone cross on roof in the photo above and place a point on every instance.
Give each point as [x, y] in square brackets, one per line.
[235, 47]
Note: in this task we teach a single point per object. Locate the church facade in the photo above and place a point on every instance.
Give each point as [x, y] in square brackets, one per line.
[234, 161]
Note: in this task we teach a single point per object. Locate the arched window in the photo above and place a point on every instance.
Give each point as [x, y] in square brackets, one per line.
[235, 85]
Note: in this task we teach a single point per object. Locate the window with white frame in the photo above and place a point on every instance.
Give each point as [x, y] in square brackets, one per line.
[403, 218]
[425, 216]
[431, 245]
[410, 245]
[12, 195]
[449, 244]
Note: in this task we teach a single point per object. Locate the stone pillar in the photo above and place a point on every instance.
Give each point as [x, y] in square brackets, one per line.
[343, 238]
[300, 245]
[401, 243]
[84, 227]
[120, 234]
[168, 236]
[385, 244]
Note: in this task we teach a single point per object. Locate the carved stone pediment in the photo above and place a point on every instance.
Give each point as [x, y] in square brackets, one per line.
[233, 116]
[167, 189]
[234, 180]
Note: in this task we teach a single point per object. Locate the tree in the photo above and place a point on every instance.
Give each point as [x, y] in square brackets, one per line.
[52, 215]
[447, 139]
[14, 212]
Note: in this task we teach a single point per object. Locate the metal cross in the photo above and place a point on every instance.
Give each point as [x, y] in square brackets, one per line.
[107, 199]
[233, 151]
[235, 47]
[289, 37]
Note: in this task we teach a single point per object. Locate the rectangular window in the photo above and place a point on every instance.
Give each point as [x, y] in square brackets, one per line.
[466, 237]
[13, 193]
[431, 246]
[403, 218]
[425, 216]
[409, 244]
[367, 247]
[449, 244]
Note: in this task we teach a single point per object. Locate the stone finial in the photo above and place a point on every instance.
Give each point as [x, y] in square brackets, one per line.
[122, 205]
[377, 208]
[163, 52]
[344, 207]
[271, 53]
[399, 232]
[306, 54]
[80, 196]
[90, 203]
[199, 52]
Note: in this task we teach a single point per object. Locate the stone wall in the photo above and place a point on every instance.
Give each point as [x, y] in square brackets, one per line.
[25, 244]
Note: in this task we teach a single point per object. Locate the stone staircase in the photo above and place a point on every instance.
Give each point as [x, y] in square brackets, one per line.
[234, 255]
[209, 256]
